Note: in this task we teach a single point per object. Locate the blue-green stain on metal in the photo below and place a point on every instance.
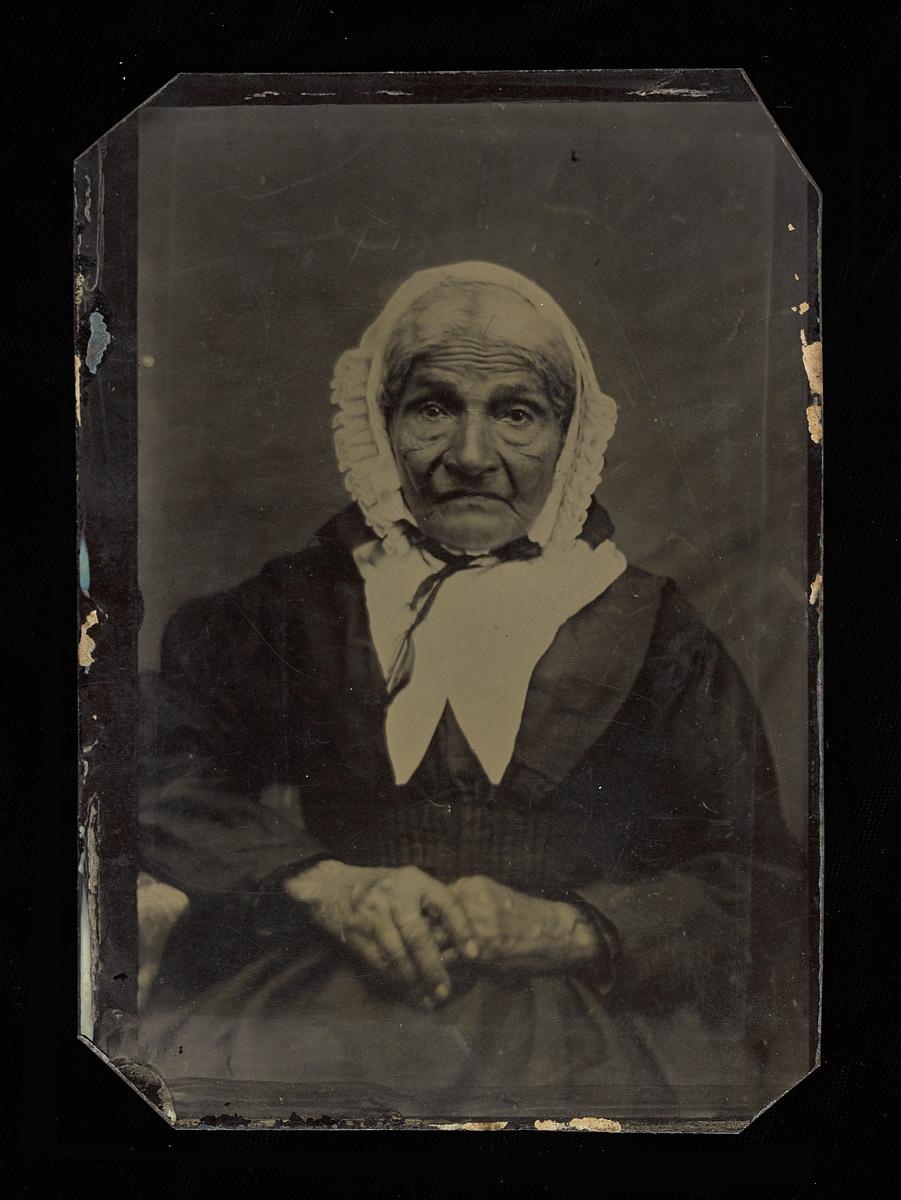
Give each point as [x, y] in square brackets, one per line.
[97, 343]
[84, 566]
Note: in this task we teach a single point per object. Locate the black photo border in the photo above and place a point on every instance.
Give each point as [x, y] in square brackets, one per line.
[826, 82]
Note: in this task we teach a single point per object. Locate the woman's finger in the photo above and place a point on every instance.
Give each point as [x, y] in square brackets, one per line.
[398, 971]
[443, 940]
[485, 920]
[441, 935]
[368, 951]
[396, 954]
[454, 919]
[421, 946]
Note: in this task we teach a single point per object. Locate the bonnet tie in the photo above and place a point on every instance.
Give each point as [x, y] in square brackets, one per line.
[424, 597]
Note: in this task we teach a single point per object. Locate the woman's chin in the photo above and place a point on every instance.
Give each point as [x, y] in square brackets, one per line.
[472, 533]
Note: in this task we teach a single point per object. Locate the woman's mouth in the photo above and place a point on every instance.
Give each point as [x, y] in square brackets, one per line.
[471, 497]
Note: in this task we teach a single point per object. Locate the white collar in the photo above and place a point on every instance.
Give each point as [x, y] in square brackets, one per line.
[479, 645]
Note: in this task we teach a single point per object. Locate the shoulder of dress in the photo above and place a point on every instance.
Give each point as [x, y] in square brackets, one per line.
[327, 554]
[659, 603]
[680, 631]
[287, 579]
[315, 560]
[635, 589]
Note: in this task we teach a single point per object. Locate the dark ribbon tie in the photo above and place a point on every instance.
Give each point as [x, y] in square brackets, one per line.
[424, 597]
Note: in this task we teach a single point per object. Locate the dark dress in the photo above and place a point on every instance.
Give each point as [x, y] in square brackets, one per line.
[640, 787]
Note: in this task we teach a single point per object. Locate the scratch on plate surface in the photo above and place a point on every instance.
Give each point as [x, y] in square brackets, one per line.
[583, 1125]
[261, 95]
[307, 178]
[86, 644]
[794, 588]
[77, 389]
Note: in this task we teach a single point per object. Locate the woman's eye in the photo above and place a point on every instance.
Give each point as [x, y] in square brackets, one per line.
[431, 410]
[518, 416]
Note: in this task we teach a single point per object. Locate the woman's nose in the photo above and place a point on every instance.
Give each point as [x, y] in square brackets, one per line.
[472, 450]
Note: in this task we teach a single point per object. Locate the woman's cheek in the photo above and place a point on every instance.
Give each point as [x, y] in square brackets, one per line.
[538, 444]
[530, 467]
[413, 441]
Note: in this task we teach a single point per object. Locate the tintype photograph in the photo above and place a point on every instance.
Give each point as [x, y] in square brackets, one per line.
[449, 460]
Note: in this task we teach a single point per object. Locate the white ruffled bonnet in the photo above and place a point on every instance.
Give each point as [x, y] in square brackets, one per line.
[365, 457]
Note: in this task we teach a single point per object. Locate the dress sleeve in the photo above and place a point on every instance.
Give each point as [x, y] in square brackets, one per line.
[712, 869]
[204, 828]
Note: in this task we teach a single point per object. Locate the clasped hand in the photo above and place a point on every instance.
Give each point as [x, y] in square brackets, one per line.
[410, 928]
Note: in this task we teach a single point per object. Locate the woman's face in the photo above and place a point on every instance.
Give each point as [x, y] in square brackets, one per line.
[474, 432]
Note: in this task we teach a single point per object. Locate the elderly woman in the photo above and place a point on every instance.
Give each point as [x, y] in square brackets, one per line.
[539, 834]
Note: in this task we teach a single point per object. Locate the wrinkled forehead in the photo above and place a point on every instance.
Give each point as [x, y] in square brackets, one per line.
[482, 320]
